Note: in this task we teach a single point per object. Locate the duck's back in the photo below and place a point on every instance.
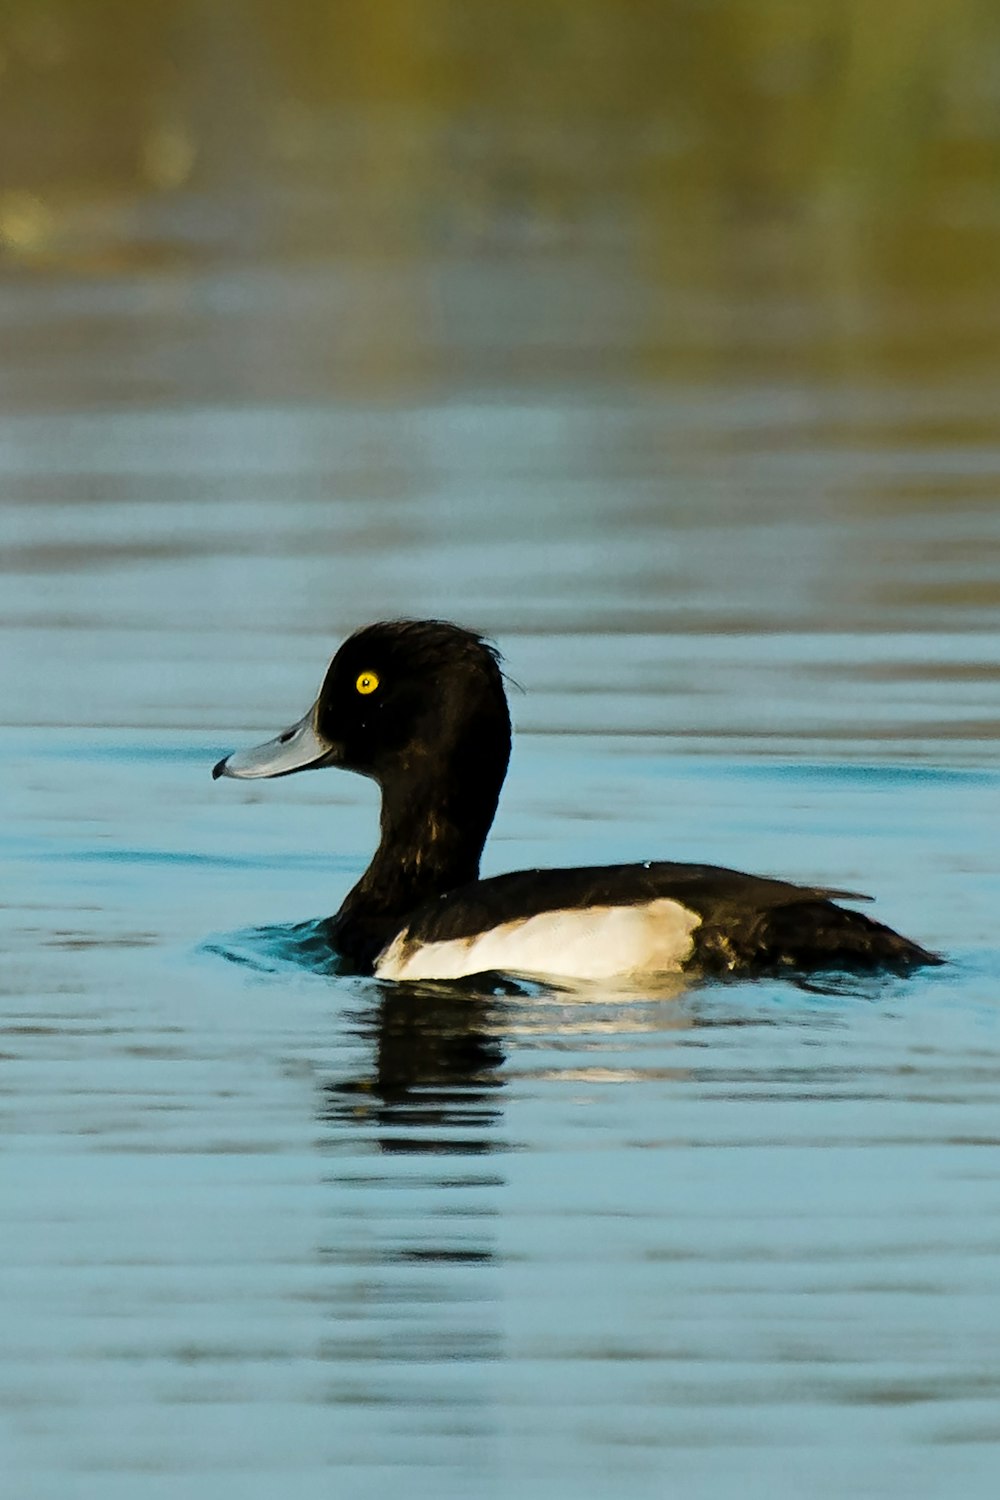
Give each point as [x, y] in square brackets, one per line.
[610, 920]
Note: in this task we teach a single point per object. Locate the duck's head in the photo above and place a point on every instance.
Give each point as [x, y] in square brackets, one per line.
[403, 701]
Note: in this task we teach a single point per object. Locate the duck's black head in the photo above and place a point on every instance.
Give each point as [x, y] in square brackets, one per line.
[418, 705]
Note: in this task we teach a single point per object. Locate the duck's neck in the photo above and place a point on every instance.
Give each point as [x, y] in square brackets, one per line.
[433, 828]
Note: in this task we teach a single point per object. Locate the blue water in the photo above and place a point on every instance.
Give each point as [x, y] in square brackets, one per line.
[265, 1226]
[266, 1229]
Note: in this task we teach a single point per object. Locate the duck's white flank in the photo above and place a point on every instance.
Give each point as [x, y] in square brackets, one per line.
[595, 942]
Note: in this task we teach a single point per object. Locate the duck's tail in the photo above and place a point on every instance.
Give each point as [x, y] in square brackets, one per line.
[819, 934]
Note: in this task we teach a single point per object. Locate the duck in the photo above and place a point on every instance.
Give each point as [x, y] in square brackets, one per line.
[420, 707]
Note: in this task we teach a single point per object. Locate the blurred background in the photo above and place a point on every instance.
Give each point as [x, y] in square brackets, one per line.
[561, 318]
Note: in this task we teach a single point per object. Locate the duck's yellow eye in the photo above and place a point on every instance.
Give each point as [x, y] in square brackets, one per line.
[367, 682]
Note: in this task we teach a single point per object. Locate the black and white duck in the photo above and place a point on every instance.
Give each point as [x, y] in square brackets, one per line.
[419, 706]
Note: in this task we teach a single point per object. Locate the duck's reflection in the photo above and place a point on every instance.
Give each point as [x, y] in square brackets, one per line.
[414, 1201]
[421, 1215]
[436, 1076]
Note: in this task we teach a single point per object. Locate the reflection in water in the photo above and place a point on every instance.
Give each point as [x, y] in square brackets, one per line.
[435, 1082]
[413, 1253]
[436, 1053]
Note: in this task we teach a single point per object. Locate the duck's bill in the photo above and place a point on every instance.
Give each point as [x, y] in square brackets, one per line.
[295, 749]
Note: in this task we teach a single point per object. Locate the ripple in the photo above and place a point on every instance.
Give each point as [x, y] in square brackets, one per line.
[280, 947]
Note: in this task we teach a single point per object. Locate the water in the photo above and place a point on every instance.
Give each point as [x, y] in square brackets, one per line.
[707, 440]
[264, 1226]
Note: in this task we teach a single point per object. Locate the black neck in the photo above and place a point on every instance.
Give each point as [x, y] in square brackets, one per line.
[434, 824]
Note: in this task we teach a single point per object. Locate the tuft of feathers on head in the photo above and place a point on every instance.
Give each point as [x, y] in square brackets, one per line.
[425, 642]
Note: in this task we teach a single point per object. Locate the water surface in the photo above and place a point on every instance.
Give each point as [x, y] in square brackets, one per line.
[706, 437]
